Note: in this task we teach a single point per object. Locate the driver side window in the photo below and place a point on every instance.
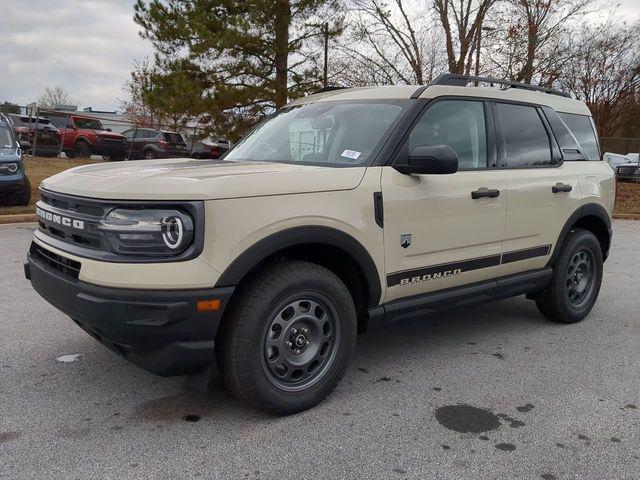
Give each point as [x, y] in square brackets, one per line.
[460, 124]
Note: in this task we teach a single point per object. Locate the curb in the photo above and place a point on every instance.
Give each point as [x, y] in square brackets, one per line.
[19, 218]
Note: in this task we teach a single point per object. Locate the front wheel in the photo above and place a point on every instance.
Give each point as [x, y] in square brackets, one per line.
[287, 337]
[576, 279]
[82, 149]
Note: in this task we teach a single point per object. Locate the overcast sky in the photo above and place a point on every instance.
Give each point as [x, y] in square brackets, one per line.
[86, 46]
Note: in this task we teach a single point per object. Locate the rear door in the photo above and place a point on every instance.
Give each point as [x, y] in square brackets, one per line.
[176, 145]
[542, 191]
[436, 234]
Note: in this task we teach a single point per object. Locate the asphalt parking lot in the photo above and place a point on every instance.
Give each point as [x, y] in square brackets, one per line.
[542, 400]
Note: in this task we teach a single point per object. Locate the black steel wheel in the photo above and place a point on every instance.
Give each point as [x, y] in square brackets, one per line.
[300, 342]
[580, 277]
[287, 336]
[577, 275]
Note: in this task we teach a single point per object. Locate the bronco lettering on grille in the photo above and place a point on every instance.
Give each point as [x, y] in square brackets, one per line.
[60, 219]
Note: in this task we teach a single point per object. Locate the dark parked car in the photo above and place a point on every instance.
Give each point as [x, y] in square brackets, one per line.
[151, 143]
[15, 188]
[47, 139]
[207, 148]
[628, 172]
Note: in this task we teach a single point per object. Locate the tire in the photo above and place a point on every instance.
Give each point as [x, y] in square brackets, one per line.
[149, 154]
[288, 301]
[23, 197]
[577, 276]
[70, 154]
[82, 149]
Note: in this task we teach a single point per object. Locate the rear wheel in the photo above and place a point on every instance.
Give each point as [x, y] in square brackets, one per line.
[287, 337]
[576, 279]
[149, 154]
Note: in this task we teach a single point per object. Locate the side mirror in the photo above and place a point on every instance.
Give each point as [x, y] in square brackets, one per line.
[24, 145]
[107, 130]
[435, 160]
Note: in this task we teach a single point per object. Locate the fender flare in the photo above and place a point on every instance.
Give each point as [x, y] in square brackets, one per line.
[586, 210]
[268, 246]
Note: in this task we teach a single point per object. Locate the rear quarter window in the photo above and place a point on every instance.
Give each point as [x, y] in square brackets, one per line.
[582, 128]
[173, 138]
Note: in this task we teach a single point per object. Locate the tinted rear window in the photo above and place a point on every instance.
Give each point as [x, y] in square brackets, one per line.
[582, 128]
[59, 121]
[526, 141]
[173, 137]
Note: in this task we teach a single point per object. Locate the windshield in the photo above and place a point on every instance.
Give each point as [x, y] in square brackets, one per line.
[6, 139]
[88, 123]
[324, 133]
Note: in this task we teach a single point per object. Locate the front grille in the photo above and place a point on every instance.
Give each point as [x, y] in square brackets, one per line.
[74, 205]
[72, 224]
[67, 267]
[628, 170]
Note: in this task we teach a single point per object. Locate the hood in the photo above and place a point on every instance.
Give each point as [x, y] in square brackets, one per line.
[190, 179]
[107, 133]
[9, 155]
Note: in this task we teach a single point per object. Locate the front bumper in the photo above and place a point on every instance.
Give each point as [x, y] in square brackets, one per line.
[113, 149]
[11, 183]
[161, 331]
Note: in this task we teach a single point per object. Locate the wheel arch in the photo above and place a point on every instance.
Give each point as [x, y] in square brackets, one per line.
[592, 217]
[325, 246]
[82, 139]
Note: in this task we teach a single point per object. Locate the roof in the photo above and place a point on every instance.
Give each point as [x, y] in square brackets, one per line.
[557, 101]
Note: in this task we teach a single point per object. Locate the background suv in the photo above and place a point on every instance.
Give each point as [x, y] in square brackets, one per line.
[206, 148]
[43, 136]
[151, 143]
[15, 188]
[85, 136]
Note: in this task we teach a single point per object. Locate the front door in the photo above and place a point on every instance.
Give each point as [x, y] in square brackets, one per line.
[437, 234]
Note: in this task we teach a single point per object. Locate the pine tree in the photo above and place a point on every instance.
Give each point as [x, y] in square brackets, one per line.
[234, 61]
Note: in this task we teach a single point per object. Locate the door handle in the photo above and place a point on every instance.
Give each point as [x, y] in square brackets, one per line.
[561, 187]
[485, 193]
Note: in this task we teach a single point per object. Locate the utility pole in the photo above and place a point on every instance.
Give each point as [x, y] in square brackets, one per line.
[325, 28]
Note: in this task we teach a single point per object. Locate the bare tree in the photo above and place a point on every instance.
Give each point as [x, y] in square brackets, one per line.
[462, 22]
[389, 43]
[537, 36]
[53, 97]
[604, 72]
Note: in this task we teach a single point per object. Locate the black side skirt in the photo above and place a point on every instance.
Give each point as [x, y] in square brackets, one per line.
[472, 294]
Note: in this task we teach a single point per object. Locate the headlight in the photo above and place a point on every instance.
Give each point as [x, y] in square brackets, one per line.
[10, 167]
[147, 232]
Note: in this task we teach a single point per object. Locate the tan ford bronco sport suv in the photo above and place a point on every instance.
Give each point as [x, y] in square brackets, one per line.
[347, 209]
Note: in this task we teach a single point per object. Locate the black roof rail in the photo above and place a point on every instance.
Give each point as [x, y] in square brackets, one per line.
[329, 88]
[458, 80]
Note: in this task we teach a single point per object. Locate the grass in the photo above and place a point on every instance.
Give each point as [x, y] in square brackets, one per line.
[628, 198]
[39, 168]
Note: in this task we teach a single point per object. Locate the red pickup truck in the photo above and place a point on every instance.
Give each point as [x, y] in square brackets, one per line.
[85, 136]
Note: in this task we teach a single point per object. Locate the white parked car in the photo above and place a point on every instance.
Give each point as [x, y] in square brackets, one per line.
[616, 159]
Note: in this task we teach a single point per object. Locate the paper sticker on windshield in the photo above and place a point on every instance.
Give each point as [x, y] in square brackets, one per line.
[351, 154]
